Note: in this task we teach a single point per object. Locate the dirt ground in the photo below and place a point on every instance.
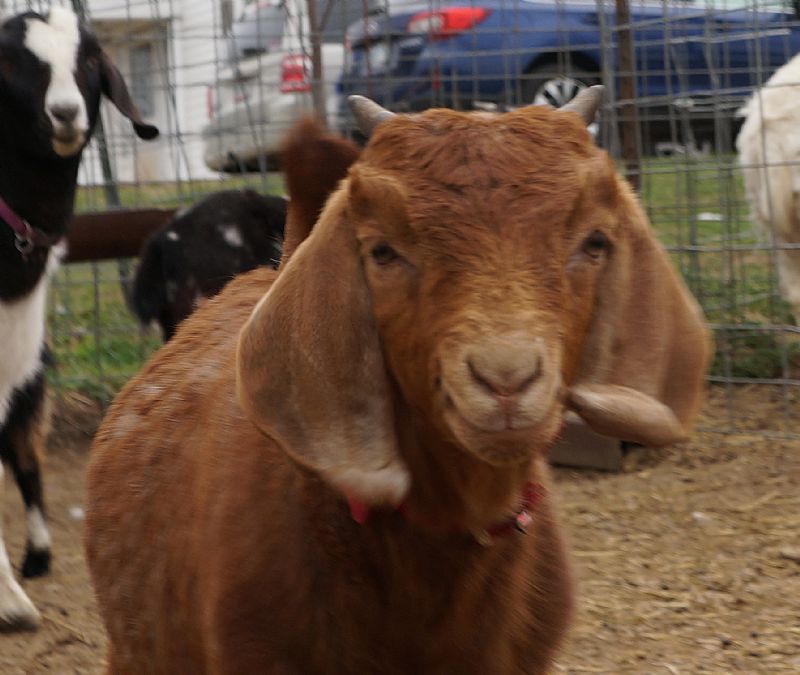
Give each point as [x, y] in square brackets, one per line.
[688, 561]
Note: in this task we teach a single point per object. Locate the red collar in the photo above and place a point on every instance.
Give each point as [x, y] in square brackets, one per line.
[531, 495]
[27, 237]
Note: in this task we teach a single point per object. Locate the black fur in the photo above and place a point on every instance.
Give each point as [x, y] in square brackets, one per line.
[172, 274]
[19, 452]
[37, 183]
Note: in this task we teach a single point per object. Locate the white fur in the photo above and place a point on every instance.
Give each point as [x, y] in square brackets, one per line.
[231, 235]
[172, 235]
[21, 336]
[769, 153]
[56, 44]
[38, 534]
[16, 609]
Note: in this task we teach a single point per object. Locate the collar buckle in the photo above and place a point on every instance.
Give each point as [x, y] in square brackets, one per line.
[523, 521]
[23, 243]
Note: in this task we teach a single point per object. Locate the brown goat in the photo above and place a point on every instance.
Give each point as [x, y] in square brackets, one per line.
[313, 163]
[471, 279]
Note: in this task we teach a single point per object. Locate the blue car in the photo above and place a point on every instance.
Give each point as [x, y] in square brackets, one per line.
[504, 53]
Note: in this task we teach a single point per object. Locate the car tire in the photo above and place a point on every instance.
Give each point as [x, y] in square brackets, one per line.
[548, 85]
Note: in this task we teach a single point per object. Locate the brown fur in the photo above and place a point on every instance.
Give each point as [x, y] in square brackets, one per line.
[217, 533]
[313, 162]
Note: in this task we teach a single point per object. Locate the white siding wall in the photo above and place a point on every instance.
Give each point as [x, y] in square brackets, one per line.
[188, 42]
[187, 39]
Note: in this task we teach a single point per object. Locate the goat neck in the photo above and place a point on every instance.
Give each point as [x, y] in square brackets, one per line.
[453, 491]
[42, 192]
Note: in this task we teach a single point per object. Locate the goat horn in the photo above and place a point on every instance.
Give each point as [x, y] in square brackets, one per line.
[586, 103]
[368, 114]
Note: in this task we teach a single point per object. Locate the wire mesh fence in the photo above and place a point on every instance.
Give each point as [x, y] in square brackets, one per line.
[678, 145]
[224, 79]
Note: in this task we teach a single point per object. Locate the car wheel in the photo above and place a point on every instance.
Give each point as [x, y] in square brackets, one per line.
[548, 85]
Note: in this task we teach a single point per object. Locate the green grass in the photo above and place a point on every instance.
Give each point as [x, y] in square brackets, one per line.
[97, 343]
[699, 210]
[693, 204]
[173, 194]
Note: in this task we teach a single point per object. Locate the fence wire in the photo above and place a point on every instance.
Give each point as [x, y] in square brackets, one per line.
[224, 79]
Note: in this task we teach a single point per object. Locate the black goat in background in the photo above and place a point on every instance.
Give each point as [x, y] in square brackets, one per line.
[201, 249]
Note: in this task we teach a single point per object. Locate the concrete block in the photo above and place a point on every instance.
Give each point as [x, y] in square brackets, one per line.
[582, 447]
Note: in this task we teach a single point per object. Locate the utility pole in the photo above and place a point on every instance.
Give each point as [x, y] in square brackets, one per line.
[316, 24]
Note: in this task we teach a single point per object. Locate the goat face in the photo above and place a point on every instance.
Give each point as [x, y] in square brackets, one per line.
[52, 74]
[481, 274]
[481, 251]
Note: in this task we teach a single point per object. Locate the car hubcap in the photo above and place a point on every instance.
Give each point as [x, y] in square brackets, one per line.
[557, 92]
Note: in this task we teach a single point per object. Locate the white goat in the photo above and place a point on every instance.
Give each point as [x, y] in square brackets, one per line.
[769, 154]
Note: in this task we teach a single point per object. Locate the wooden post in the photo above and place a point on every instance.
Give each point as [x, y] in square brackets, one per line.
[316, 24]
[627, 91]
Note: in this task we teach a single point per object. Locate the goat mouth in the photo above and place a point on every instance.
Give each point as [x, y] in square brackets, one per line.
[503, 446]
[504, 442]
[504, 424]
[496, 418]
[68, 143]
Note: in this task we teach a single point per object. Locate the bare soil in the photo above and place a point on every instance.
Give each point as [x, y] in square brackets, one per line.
[71, 638]
[688, 561]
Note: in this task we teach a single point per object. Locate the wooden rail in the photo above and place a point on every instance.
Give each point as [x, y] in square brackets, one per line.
[112, 234]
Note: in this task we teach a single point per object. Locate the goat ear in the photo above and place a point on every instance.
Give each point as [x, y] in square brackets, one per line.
[645, 358]
[310, 371]
[116, 90]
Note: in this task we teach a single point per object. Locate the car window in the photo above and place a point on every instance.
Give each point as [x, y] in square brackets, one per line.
[337, 15]
[261, 26]
[258, 31]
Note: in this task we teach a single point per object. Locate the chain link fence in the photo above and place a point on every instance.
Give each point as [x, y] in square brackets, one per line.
[224, 79]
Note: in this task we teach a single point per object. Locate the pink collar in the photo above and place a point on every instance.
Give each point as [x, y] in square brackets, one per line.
[27, 237]
[531, 495]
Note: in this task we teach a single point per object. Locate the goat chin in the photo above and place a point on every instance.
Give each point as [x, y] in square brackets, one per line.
[506, 447]
[69, 148]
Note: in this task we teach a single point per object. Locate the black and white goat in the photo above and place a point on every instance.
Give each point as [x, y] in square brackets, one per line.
[201, 249]
[52, 75]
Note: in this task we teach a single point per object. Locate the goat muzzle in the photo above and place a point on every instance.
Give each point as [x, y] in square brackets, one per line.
[499, 393]
[68, 141]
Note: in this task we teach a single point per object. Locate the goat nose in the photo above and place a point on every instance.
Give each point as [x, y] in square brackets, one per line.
[64, 112]
[506, 368]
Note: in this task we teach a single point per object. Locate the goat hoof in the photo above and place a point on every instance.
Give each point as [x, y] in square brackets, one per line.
[17, 612]
[36, 563]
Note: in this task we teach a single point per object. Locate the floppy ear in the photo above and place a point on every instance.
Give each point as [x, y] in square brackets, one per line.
[645, 359]
[310, 371]
[116, 90]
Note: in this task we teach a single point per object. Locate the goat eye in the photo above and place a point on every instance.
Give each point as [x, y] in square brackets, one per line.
[383, 254]
[596, 244]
